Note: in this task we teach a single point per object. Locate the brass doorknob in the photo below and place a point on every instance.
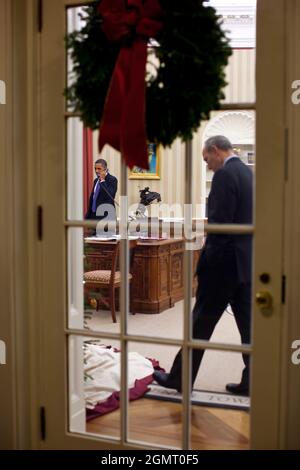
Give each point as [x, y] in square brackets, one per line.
[264, 301]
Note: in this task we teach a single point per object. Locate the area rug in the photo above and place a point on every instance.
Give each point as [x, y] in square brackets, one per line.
[201, 398]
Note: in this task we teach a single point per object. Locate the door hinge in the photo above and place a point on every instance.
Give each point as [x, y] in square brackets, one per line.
[40, 15]
[40, 222]
[43, 422]
[283, 286]
[286, 154]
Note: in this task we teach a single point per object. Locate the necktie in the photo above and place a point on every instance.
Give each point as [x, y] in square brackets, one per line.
[96, 192]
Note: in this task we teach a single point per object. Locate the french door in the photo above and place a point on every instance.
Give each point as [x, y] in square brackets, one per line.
[59, 253]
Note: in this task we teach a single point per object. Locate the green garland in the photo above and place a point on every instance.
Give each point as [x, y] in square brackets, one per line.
[193, 51]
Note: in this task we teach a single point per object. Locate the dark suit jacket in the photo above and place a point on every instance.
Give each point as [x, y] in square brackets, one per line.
[230, 202]
[106, 195]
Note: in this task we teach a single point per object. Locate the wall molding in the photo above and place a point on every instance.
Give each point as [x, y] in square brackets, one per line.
[239, 20]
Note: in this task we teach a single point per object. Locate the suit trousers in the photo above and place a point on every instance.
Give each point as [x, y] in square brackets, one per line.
[215, 291]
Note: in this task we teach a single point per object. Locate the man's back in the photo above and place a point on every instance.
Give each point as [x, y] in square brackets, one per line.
[231, 202]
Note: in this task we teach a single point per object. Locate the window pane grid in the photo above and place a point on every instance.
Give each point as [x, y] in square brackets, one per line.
[186, 343]
[238, 229]
[193, 344]
[223, 107]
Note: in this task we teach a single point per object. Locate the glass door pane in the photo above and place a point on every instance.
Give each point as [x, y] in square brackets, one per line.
[157, 271]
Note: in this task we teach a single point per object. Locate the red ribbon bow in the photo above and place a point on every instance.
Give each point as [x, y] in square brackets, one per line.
[123, 123]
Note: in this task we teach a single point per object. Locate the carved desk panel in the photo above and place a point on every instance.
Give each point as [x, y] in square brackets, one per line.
[157, 271]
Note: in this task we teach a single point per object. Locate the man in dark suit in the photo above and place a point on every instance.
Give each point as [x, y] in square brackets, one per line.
[224, 266]
[102, 198]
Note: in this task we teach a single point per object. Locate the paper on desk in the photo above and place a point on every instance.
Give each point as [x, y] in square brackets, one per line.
[172, 219]
[105, 239]
[114, 237]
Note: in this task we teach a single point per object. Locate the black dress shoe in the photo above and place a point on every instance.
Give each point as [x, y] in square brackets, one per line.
[163, 379]
[238, 389]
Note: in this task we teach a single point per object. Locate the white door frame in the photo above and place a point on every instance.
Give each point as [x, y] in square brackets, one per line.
[290, 377]
[270, 147]
[19, 187]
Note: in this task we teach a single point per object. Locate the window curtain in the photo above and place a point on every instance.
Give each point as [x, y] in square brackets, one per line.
[88, 167]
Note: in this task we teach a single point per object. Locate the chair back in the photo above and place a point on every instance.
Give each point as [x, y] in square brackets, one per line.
[115, 258]
[132, 247]
[114, 262]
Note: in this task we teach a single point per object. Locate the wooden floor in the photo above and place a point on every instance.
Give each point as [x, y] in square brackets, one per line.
[159, 423]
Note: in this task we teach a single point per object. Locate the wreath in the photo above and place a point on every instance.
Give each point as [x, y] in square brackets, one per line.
[191, 51]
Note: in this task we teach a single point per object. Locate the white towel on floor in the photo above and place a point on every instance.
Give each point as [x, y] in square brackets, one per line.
[103, 372]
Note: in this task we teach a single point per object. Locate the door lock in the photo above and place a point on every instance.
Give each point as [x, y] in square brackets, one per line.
[264, 301]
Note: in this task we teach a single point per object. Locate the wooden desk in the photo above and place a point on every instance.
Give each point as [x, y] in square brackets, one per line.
[157, 271]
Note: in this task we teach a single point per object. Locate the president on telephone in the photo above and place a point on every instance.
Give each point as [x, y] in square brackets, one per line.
[102, 198]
